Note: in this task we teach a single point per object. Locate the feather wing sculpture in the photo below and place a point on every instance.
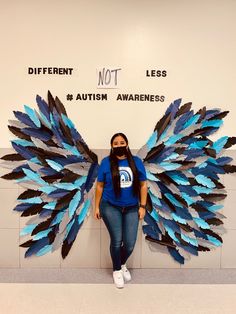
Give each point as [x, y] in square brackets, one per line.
[58, 170]
[183, 167]
[55, 165]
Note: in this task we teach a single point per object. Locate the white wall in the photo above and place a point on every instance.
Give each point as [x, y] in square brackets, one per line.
[194, 41]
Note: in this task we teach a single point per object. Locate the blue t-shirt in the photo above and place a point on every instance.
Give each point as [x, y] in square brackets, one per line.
[126, 197]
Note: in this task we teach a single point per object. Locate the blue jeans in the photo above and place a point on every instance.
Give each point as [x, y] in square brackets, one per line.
[122, 224]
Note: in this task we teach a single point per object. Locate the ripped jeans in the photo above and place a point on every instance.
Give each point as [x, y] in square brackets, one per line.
[122, 224]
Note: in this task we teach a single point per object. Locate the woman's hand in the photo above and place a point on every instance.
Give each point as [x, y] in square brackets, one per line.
[142, 212]
[97, 213]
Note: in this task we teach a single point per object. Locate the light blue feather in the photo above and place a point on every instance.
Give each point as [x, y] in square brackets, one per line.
[32, 200]
[44, 250]
[180, 180]
[214, 208]
[72, 149]
[150, 176]
[155, 199]
[173, 199]
[41, 234]
[212, 160]
[84, 211]
[201, 189]
[152, 140]
[68, 227]
[80, 181]
[23, 143]
[201, 223]
[52, 120]
[187, 198]
[179, 219]
[214, 240]
[155, 215]
[45, 120]
[33, 176]
[54, 165]
[202, 165]
[163, 135]
[32, 115]
[66, 186]
[198, 144]
[173, 139]
[74, 203]
[219, 144]
[191, 121]
[189, 240]
[215, 123]
[169, 166]
[200, 178]
[58, 218]
[35, 160]
[171, 233]
[27, 229]
[50, 205]
[172, 156]
[67, 121]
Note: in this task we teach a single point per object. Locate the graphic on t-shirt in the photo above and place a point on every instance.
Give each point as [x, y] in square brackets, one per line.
[126, 177]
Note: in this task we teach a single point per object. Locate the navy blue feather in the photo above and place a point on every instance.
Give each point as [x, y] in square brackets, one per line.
[37, 246]
[23, 151]
[175, 254]
[24, 118]
[43, 107]
[38, 133]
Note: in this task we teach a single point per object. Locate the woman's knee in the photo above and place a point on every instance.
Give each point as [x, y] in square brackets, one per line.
[116, 242]
[129, 247]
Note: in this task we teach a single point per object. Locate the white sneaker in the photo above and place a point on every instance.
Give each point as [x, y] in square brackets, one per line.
[118, 278]
[125, 272]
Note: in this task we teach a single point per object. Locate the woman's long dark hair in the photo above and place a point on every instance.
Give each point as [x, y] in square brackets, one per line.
[115, 171]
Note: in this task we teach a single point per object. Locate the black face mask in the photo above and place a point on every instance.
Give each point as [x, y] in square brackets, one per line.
[119, 150]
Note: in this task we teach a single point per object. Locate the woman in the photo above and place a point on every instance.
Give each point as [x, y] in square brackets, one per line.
[120, 200]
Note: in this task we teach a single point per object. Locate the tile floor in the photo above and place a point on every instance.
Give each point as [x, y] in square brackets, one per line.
[106, 298]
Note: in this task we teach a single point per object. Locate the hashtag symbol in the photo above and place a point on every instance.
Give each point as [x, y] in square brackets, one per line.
[69, 97]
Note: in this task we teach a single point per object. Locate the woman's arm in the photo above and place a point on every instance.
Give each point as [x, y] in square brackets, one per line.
[143, 198]
[98, 195]
[143, 192]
